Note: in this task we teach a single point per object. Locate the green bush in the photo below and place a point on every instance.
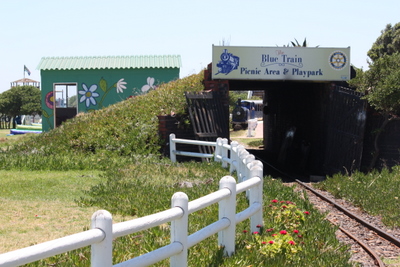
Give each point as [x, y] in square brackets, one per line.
[95, 140]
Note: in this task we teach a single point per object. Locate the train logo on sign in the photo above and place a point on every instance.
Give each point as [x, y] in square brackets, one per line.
[228, 62]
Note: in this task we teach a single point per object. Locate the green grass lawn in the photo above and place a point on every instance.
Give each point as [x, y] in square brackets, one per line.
[45, 185]
[38, 206]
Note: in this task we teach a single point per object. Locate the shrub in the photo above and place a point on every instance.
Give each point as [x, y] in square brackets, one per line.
[98, 138]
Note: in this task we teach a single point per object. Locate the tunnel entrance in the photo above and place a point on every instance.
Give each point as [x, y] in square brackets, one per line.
[295, 130]
[310, 129]
[294, 125]
[313, 126]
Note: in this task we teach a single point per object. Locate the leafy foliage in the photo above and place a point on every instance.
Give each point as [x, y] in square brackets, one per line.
[297, 44]
[381, 84]
[387, 43]
[20, 100]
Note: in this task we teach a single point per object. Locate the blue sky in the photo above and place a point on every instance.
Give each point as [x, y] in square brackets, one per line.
[30, 30]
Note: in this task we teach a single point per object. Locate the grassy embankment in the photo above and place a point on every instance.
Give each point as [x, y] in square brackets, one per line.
[109, 159]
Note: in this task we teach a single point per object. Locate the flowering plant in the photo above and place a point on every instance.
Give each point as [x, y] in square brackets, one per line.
[286, 214]
[279, 242]
[285, 237]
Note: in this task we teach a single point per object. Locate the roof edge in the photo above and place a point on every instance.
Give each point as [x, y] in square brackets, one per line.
[109, 62]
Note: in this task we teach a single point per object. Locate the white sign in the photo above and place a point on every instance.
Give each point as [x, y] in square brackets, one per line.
[281, 63]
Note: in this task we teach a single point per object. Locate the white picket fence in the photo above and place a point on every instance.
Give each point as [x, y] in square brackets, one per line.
[100, 237]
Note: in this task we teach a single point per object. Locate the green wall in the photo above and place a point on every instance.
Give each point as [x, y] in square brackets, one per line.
[98, 88]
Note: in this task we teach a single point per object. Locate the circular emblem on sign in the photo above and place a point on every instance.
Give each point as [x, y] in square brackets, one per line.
[338, 60]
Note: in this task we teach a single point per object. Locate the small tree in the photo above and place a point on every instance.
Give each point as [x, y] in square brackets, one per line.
[297, 44]
[387, 43]
[381, 85]
[20, 100]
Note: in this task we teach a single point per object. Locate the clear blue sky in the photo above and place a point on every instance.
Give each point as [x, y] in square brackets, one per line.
[30, 30]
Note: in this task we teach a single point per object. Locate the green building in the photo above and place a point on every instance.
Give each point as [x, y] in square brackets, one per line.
[71, 85]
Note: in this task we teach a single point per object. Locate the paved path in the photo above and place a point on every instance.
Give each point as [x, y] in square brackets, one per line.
[258, 133]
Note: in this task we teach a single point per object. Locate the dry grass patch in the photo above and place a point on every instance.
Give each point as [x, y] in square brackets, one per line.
[26, 223]
[38, 206]
[8, 140]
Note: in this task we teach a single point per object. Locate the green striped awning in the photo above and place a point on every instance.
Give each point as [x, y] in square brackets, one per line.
[109, 62]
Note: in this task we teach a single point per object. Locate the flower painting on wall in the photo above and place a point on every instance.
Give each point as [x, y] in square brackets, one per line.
[93, 98]
[88, 95]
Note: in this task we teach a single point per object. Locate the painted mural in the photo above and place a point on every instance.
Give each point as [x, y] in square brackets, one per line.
[71, 85]
[91, 97]
[95, 89]
[94, 96]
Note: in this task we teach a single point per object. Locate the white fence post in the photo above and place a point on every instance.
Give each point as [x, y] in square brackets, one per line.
[234, 156]
[224, 153]
[218, 149]
[101, 254]
[247, 160]
[256, 196]
[227, 209]
[179, 229]
[172, 148]
[242, 153]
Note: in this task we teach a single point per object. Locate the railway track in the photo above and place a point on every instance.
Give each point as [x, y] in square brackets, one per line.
[376, 242]
[369, 239]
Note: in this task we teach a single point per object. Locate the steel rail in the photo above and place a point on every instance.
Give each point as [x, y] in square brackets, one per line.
[378, 231]
[369, 250]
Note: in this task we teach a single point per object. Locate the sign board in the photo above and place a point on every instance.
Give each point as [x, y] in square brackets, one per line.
[281, 63]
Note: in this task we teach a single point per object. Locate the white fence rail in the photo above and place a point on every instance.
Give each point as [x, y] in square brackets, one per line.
[103, 231]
